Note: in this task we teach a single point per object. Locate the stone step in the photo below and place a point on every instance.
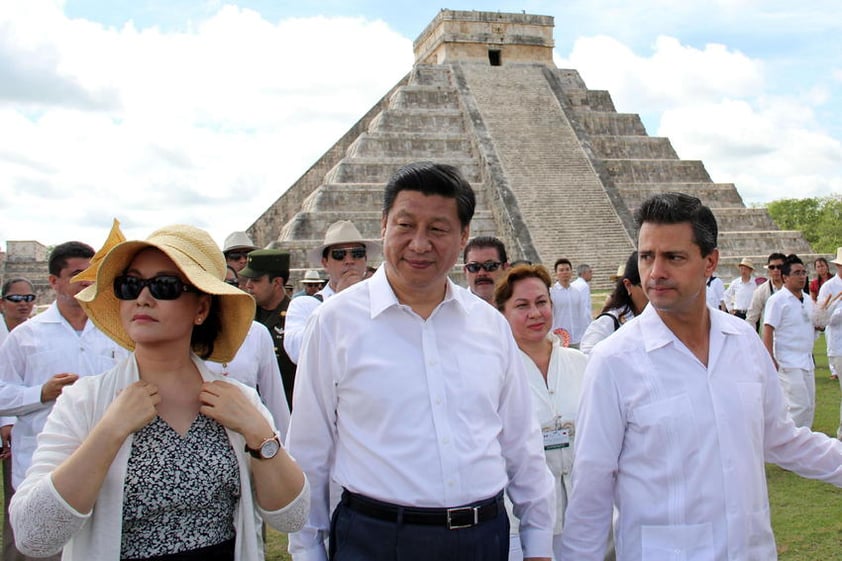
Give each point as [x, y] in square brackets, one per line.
[728, 270]
[424, 97]
[714, 195]
[759, 243]
[410, 146]
[418, 120]
[633, 147]
[430, 75]
[744, 219]
[570, 79]
[359, 170]
[657, 171]
[598, 123]
[362, 196]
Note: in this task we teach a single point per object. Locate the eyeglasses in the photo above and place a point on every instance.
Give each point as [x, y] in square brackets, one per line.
[356, 253]
[233, 282]
[162, 287]
[800, 273]
[773, 267]
[236, 255]
[18, 298]
[489, 266]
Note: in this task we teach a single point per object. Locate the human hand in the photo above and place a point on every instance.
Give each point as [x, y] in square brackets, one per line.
[133, 408]
[6, 438]
[52, 387]
[349, 277]
[226, 404]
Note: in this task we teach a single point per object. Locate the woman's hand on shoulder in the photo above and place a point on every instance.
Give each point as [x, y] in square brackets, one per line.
[226, 404]
[133, 408]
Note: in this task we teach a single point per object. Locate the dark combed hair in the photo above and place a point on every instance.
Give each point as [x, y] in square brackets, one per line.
[676, 208]
[562, 261]
[789, 261]
[620, 297]
[68, 250]
[432, 179]
[776, 256]
[480, 242]
[205, 334]
[506, 284]
[7, 285]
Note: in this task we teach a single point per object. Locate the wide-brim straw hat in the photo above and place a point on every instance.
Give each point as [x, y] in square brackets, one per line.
[621, 271]
[838, 260]
[115, 236]
[746, 262]
[238, 241]
[200, 260]
[339, 233]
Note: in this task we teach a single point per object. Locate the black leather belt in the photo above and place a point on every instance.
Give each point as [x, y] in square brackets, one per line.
[452, 518]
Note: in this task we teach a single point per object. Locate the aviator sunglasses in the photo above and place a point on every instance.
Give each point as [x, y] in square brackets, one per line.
[162, 287]
[356, 253]
[18, 298]
[489, 266]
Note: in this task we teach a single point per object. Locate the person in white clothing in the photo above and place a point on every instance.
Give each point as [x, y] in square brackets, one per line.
[679, 415]
[774, 283]
[485, 262]
[625, 302]
[715, 292]
[830, 295]
[584, 274]
[555, 380]
[569, 303]
[740, 291]
[413, 398]
[158, 456]
[344, 255]
[789, 334]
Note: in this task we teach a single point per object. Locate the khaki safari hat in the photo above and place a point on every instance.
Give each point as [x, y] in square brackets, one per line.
[200, 260]
[340, 233]
[266, 261]
[746, 262]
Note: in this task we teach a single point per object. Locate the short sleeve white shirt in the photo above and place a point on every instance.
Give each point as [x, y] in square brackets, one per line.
[794, 333]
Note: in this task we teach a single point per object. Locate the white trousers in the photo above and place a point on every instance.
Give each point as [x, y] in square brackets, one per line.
[799, 388]
[836, 361]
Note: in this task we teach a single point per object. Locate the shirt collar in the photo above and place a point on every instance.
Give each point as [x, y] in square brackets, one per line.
[656, 334]
[383, 297]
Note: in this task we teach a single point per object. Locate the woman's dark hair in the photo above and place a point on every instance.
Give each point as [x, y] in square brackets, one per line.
[506, 284]
[206, 333]
[7, 286]
[620, 297]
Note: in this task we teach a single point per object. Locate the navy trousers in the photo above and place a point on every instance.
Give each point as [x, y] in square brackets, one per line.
[357, 537]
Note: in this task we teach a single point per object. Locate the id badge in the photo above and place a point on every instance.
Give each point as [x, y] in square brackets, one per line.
[556, 438]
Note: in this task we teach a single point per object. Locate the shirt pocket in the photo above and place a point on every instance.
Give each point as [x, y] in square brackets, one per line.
[690, 542]
[664, 429]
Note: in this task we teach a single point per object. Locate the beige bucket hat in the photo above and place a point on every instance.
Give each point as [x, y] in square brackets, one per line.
[341, 232]
[238, 241]
[312, 277]
[200, 260]
[746, 262]
[838, 260]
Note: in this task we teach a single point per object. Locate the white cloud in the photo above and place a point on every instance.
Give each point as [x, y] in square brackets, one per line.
[206, 126]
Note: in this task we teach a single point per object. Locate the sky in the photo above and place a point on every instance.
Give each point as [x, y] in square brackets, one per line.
[204, 112]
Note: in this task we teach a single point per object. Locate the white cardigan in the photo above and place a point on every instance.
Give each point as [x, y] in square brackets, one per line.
[43, 522]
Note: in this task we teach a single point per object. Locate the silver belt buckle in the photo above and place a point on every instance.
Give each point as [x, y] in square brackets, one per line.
[451, 511]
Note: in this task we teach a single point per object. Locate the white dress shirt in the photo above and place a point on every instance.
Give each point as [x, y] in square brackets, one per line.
[582, 285]
[4, 331]
[33, 353]
[298, 312]
[569, 311]
[715, 292]
[739, 293]
[428, 413]
[833, 333]
[256, 366]
[794, 333]
[602, 327]
[679, 448]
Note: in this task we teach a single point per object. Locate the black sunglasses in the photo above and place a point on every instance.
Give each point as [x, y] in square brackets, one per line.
[236, 255]
[162, 287]
[773, 267]
[356, 253]
[18, 298]
[490, 266]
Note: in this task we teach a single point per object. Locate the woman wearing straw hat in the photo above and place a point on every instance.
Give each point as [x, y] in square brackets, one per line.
[159, 458]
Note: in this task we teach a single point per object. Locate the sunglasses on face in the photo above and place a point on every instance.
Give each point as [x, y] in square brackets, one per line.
[773, 267]
[232, 282]
[18, 298]
[489, 266]
[236, 255]
[162, 287]
[356, 253]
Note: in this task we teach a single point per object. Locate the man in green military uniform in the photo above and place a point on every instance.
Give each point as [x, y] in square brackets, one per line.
[267, 271]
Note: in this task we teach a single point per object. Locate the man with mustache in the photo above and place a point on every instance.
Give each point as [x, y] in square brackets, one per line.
[485, 260]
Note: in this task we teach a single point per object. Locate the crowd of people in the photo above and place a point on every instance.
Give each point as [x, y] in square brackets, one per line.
[177, 396]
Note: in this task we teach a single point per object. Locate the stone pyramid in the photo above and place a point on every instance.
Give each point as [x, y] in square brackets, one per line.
[557, 170]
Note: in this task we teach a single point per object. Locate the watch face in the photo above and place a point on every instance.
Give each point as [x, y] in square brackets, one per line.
[269, 448]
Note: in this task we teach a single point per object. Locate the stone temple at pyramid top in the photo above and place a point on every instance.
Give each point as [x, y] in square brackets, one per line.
[557, 170]
[490, 37]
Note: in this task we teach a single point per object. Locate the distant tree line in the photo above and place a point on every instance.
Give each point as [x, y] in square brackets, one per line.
[818, 218]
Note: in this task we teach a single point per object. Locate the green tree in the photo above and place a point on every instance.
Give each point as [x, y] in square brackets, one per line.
[818, 218]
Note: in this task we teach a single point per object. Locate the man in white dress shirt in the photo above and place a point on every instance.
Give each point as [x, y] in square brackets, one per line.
[830, 298]
[679, 415]
[570, 311]
[344, 255]
[740, 291]
[584, 274]
[789, 335]
[413, 398]
[50, 351]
